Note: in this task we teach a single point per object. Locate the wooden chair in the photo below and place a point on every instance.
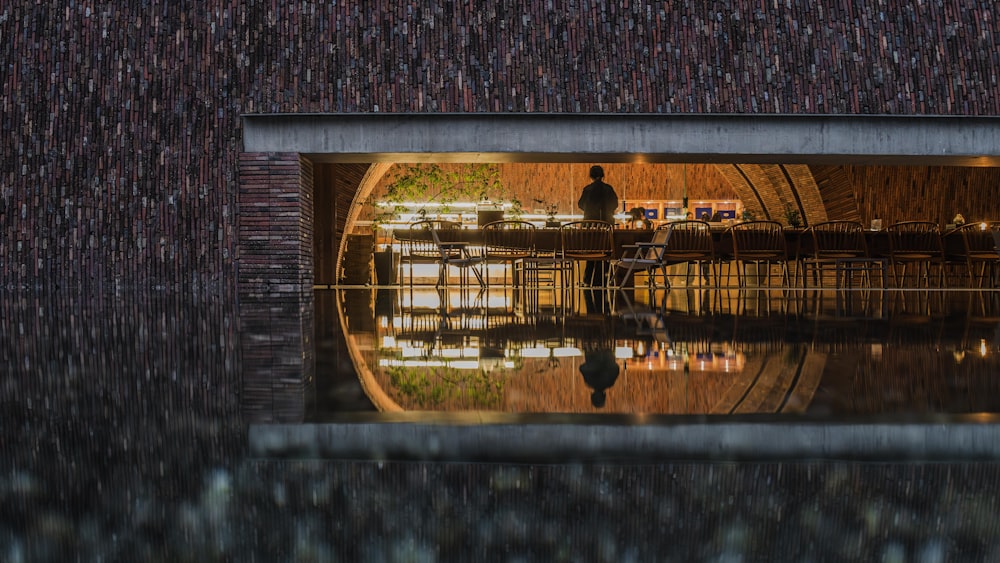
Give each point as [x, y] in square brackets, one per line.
[588, 240]
[508, 242]
[691, 243]
[979, 249]
[916, 243]
[761, 243]
[839, 245]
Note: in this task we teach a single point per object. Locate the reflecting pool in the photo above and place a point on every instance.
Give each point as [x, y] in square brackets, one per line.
[680, 352]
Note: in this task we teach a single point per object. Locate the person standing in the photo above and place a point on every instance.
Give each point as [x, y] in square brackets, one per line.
[598, 201]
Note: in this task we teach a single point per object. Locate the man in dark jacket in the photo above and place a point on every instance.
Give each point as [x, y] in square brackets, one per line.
[598, 201]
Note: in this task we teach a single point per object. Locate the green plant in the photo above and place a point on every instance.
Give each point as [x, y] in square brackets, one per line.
[792, 215]
[441, 185]
[550, 209]
[433, 387]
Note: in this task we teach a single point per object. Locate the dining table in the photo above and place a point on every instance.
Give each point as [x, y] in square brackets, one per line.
[544, 239]
[799, 242]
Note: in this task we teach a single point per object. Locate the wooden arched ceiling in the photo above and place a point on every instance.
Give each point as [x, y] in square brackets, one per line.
[765, 189]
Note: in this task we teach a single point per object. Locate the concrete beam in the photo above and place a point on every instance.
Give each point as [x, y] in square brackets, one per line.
[472, 437]
[484, 137]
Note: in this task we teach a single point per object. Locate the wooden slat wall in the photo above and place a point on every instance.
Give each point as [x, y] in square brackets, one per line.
[935, 193]
[562, 183]
[334, 190]
[837, 192]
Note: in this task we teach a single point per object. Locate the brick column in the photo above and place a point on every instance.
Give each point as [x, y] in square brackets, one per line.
[275, 279]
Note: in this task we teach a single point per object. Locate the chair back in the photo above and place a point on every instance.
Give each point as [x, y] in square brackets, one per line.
[839, 239]
[915, 239]
[589, 239]
[418, 241]
[660, 239]
[759, 240]
[508, 240]
[690, 239]
[978, 241]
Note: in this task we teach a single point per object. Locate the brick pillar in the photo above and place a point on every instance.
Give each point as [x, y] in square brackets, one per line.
[275, 279]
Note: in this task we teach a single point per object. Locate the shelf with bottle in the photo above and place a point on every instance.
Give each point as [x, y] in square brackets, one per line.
[659, 211]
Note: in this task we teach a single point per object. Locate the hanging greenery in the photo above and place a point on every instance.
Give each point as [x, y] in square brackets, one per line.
[442, 186]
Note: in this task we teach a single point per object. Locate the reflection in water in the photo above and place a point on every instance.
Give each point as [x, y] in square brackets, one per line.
[599, 370]
[673, 352]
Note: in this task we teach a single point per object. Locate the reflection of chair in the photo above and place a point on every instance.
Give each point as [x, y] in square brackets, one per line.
[548, 270]
[511, 242]
[691, 242]
[978, 248]
[588, 240]
[761, 243]
[644, 256]
[917, 243]
[840, 244]
[418, 246]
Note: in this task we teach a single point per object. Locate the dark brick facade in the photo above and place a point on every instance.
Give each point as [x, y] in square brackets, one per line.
[122, 120]
[121, 163]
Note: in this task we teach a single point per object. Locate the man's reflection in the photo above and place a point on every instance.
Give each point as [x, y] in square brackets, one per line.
[596, 301]
[599, 370]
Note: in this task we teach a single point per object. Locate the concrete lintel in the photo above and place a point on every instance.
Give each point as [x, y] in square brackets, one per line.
[826, 139]
[463, 440]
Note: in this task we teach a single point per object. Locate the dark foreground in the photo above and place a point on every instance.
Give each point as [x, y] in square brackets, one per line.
[125, 438]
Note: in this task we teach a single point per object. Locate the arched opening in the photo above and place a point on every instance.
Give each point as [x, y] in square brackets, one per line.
[828, 166]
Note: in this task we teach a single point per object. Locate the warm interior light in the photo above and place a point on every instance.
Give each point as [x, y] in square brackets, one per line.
[408, 352]
[536, 352]
[982, 347]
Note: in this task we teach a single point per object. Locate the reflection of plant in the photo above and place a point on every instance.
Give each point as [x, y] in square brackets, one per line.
[792, 215]
[433, 387]
[433, 183]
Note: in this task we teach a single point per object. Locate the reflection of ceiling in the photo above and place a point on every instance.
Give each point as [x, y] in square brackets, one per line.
[902, 359]
[556, 383]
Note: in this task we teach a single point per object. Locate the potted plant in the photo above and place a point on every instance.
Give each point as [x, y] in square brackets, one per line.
[792, 216]
[550, 213]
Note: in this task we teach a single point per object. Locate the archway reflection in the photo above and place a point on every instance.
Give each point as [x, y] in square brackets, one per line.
[678, 352]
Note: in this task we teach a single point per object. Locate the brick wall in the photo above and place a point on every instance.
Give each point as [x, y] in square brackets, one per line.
[275, 285]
